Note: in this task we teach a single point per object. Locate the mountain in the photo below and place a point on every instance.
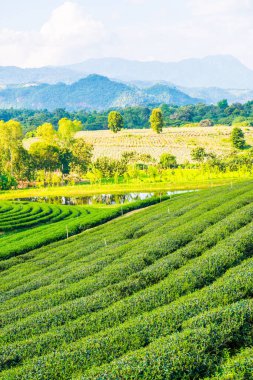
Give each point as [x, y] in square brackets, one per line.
[93, 92]
[16, 75]
[215, 94]
[221, 71]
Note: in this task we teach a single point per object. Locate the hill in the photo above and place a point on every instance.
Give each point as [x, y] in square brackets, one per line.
[165, 293]
[177, 141]
[93, 92]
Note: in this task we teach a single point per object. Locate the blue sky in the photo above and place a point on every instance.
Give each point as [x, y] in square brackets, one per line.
[53, 32]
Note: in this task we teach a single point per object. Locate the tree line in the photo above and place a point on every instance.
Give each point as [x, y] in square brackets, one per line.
[138, 117]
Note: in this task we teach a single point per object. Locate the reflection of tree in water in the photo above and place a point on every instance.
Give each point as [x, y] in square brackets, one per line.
[107, 199]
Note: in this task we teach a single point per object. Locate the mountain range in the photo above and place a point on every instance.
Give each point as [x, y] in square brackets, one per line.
[94, 92]
[87, 84]
[221, 71]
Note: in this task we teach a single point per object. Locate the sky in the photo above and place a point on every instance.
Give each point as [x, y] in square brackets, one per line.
[36, 33]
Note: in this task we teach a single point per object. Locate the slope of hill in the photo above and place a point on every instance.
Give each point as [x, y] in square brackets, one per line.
[177, 141]
[165, 293]
[93, 92]
[213, 71]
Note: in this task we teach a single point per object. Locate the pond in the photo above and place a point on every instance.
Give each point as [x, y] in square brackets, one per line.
[107, 199]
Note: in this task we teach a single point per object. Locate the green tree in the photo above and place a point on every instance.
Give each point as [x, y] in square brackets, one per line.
[156, 120]
[223, 104]
[82, 154]
[115, 121]
[198, 154]
[10, 143]
[237, 138]
[167, 160]
[46, 132]
[67, 130]
[45, 156]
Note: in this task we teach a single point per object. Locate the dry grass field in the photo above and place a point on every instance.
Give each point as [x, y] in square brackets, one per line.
[177, 141]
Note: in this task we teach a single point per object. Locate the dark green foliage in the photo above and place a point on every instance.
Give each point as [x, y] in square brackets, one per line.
[198, 154]
[167, 160]
[237, 138]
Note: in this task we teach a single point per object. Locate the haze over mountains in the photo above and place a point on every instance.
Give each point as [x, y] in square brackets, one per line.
[133, 83]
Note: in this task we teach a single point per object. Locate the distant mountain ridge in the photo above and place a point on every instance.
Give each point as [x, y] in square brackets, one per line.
[209, 80]
[221, 71]
[94, 92]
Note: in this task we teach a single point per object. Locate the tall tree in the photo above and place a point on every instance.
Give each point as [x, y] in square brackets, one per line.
[67, 130]
[46, 132]
[115, 121]
[82, 154]
[10, 143]
[156, 120]
[45, 156]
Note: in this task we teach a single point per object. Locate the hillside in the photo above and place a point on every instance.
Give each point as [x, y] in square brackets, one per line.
[165, 293]
[93, 92]
[177, 141]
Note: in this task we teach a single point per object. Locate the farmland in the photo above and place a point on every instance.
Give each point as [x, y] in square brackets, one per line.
[164, 293]
[177, 141]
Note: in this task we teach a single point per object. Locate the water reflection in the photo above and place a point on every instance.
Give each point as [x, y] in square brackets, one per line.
[107, 199]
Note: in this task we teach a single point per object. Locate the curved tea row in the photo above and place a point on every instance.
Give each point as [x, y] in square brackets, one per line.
[165, 293]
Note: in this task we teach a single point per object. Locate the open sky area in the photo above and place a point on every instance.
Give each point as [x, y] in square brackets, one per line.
[57, 32]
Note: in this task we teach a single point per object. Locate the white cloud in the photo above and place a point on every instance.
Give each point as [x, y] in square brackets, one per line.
[69, 35]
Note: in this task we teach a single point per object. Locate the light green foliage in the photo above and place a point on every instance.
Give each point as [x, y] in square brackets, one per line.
[156, 120]
[67, 130]
[46, 132]
[115, 121]
[162, 294]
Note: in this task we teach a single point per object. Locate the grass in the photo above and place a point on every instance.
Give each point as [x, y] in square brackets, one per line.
[96, 189]
[165, 293]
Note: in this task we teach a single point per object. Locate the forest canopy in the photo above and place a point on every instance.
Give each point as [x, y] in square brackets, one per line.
[138, 117]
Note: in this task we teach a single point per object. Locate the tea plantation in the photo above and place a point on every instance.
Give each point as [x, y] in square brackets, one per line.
[163, 293]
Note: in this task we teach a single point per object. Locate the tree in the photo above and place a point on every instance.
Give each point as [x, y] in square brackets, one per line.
[198, 154]
[167, 160]
[115, 121]
[82, 154]
[10, 143]
[222, 104]
[156, 120]
[237, 138]
[67, 130]
[46, 132]
[45, 156]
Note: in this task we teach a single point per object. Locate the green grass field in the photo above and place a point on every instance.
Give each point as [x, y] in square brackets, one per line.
[163, 293]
